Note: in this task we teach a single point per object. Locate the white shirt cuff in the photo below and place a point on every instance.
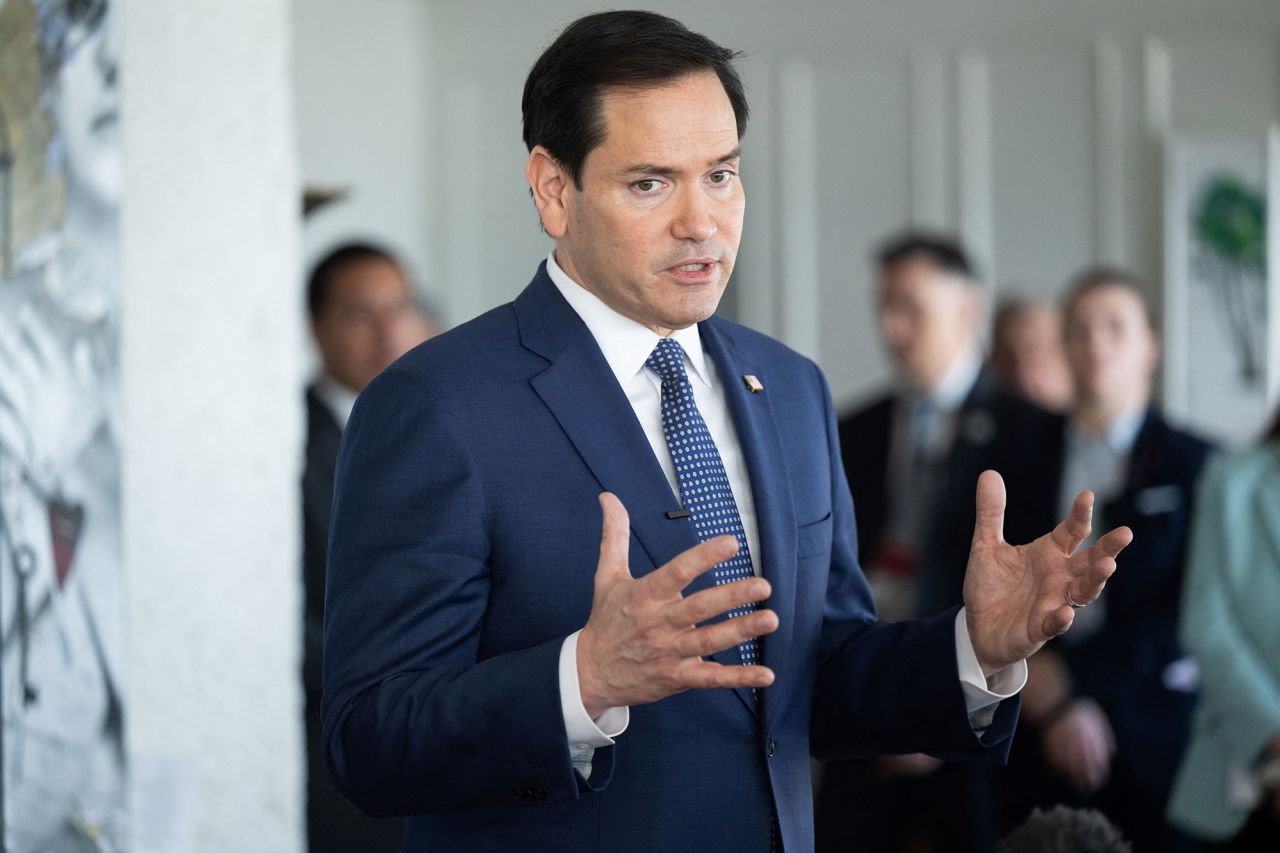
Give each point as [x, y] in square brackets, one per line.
[585, 734]
[982, 694]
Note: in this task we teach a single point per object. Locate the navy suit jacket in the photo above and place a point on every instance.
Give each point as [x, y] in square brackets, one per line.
[995, 429]
[465, 538]
[1124, 665]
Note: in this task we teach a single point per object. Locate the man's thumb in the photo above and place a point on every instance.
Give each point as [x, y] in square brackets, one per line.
[990, 508]
[615, 538]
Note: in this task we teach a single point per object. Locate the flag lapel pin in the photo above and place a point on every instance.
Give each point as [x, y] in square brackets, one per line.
[754, 385]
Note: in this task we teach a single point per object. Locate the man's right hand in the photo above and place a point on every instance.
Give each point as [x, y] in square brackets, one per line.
[642, 642]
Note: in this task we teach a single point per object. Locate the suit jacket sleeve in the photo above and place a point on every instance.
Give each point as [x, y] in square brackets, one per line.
[414, 720]
[887, 687]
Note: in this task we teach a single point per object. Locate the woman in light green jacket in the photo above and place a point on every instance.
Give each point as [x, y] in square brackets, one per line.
[1226, 789]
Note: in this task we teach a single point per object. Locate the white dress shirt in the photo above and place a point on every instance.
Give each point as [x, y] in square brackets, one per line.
[337, 398]
[1097, 461]
[626, 346]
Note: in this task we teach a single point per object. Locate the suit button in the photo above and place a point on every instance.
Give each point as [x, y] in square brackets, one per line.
[770, 746]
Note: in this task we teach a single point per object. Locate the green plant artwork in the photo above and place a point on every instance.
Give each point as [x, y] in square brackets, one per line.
[1230, 233]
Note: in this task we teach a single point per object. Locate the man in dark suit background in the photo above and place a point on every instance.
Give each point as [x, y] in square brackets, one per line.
[515, 679]
[913, 454]
[1110, 705]
[364, 316]
[912, 457]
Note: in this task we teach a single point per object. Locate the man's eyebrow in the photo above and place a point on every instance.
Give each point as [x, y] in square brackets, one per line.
[732, 155]
[654, 169]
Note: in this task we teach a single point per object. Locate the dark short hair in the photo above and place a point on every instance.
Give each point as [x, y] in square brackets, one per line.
[942, 252]
[1096, 278]
[562, 94]
[320, 282]
[1064, 830]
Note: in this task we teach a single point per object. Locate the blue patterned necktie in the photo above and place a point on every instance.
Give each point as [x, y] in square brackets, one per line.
[704, 485]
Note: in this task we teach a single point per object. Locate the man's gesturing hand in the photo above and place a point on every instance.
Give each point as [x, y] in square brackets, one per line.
[1016, 596]
[642, 643]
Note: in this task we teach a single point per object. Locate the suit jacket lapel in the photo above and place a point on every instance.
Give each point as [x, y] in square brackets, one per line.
[753, 418]
[1146, 456]
[584, 396]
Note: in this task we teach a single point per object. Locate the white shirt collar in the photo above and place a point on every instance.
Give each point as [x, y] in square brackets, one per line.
[625, 343]
[956, 383]
[337, 398]
[1120, 434]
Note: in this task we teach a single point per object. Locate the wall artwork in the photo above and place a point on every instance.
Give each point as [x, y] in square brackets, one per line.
[61, 584]
[1222, 299]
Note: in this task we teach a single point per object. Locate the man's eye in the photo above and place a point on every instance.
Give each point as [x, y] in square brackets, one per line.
[646, 185]
[721, 177]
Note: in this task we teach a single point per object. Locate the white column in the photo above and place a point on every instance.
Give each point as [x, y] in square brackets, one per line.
[211, 366]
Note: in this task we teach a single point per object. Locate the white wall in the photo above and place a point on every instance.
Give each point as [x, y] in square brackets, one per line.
[1032, 128]
[364, 111]
[211, 367]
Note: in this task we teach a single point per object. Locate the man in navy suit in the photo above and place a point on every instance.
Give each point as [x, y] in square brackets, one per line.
[912, 457]
[512, 678]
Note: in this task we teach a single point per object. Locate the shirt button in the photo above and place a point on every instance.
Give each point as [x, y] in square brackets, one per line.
[581, 746]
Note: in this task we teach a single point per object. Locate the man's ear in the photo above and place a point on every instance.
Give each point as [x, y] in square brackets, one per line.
[551, 186]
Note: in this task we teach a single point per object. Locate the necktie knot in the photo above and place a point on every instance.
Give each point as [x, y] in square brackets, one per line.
[667, 360]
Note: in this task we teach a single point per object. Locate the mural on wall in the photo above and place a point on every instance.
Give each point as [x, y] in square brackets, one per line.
[1221, 321]
[61, 584]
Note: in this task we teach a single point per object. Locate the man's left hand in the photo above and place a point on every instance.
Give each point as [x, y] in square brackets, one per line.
[1017, 597]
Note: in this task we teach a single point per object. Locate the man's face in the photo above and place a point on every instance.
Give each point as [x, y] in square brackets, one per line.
[654, 230]
[368, 321]
[1111, 347]
[928, 318]
[1039, 365]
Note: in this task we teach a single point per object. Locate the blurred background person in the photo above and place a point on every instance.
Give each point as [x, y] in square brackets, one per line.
[1027, 354]
[1227, 789]
[364, 315]
[1107, 710]
[912, 457]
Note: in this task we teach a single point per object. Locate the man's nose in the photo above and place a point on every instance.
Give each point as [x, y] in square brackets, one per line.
[693, 219]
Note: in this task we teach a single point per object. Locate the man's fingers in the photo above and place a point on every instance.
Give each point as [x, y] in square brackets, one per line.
[990, 508]
[710, 674]
[1058, 621]
[706, 641]
[1112, 543]
[672, 578]
[708, 603]
[1076, 527]
[1096, 567]
[615, 538]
